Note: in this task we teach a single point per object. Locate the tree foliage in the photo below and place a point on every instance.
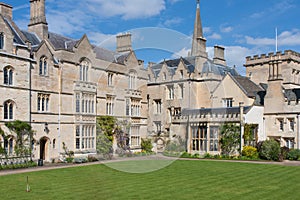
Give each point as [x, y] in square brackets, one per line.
[24, 134]
[106, 125]
[230, 138]
[249, 133]
[103, 145]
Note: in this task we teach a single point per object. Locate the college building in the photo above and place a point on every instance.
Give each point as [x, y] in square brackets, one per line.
[60, 85]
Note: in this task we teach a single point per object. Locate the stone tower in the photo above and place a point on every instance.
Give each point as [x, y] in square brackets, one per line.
[38, 23]
[199, 42]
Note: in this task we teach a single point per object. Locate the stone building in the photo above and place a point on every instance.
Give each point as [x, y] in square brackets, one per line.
[279, 74]
[60, 85]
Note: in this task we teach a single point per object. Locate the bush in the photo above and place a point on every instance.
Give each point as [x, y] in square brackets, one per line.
[294, 154]
[270, 150]
[207, 156]
[146, 145]
[92, 159]
[186, 155]
[69, 159]
[250, 152]
[284, 153]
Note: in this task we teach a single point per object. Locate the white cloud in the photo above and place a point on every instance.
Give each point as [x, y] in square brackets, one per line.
[215, 36]
[174, 1]
[290, 38]
[184, 52]
[226, 29]
[103, 40]
[174, 21]
[127, 9]
[286, 38]
[259, 41]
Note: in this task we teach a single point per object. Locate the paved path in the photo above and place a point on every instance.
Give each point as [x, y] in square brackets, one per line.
[55, 166]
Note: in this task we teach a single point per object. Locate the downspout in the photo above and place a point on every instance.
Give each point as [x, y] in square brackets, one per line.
[298, 134]
[241, 104]
[59, 107]
[30, 94]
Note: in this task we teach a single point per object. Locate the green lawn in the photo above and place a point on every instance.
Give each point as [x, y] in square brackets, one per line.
[193, 179]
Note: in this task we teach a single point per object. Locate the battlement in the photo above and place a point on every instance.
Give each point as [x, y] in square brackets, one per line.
[280, 56]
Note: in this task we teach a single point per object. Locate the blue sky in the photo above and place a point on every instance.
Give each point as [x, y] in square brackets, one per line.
[162, 29]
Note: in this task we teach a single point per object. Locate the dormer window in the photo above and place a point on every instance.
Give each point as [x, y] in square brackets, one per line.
[1, 40]
[43, 69]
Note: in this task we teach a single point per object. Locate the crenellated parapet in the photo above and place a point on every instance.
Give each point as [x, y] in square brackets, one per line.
[287, 55]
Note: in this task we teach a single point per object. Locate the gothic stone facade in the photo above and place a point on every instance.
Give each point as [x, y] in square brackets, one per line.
[60, 85]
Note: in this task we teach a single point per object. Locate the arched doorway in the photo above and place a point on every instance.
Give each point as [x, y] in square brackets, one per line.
[44, 148]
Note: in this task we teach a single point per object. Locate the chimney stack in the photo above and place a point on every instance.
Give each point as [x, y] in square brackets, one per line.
[38, 23]
[124, 42]
[6, 10]
[219, 57]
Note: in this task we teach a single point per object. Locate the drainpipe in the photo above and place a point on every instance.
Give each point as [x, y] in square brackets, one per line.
[241, 105]
[30, 93]
[60, 67]
[298, 134]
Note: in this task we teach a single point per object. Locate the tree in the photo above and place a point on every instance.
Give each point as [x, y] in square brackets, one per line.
[106, 125]
[230, 138]
[105, 131]
[103, 145]
[24, 137]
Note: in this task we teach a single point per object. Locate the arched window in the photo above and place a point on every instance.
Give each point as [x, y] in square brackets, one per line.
[43, 102]
[132, 80]
[43, 67]
[84, 67]
[8, 110]
[8, 75]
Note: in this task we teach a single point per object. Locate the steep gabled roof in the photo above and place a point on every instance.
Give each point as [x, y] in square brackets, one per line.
[248, 87]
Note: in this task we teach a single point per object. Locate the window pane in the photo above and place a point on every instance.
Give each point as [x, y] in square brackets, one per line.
[41, 67]
[1, 40]
[5, 111]
[5, 72]
[10, 80]
[11, 111]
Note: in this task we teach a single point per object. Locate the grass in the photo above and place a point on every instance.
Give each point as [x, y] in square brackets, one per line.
[192, 179]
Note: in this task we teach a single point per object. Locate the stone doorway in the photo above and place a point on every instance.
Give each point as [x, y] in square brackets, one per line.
[44, 148]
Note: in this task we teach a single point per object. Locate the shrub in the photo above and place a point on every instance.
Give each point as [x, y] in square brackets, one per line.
[196, 155]
[92, 159]
[207, 155]
[186, 155]
[146, 145]
[69, 159]
[284, 153]
[270, 150]
[294, 154]
[250, 152]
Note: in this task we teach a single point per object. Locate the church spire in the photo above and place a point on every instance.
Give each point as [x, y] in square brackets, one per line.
[199, 42]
